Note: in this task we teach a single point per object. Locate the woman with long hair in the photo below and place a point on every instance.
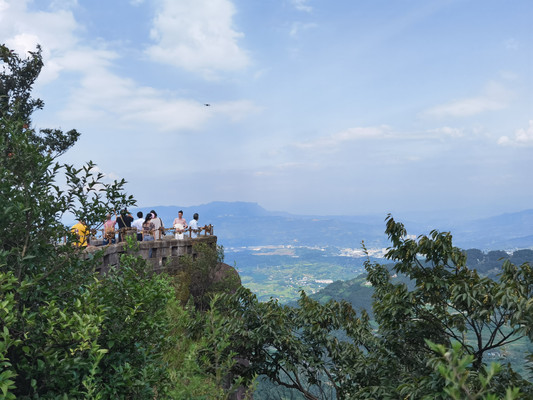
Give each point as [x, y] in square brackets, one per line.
[148, 231]
[148, 228]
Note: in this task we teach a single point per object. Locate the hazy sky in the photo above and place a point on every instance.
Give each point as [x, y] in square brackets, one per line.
[316, 106]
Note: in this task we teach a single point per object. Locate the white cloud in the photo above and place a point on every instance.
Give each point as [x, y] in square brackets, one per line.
[236, 110]
[105, 97]
[509, 76]
[197, 35]
[467, 107]
[301, 5]
[63, 4]
[53, 30]
[108, 177]
[287, 167]
[522, 137]
[298, 27]
[384, 137]
[260, 73]
[22, 43]
[495, 97]
[448, 131]
[333, 142]
[121, 103]
[512, 44]
[24, 30]
[97, 94]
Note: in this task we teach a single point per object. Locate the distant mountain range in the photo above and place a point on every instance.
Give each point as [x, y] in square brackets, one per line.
[239, 224]
[505, 231]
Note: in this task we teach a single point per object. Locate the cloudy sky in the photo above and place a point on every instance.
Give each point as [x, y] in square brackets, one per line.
[315, 106]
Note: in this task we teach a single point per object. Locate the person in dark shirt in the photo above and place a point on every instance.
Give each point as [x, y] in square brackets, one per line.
[124, 220]
[138, 224]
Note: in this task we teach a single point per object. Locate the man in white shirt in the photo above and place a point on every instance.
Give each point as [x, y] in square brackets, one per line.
[138, 223]
[194, 226]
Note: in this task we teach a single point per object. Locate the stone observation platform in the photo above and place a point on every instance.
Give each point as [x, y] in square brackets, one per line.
[164, 253]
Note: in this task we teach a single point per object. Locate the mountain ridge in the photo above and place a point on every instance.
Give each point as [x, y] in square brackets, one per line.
[239, 224]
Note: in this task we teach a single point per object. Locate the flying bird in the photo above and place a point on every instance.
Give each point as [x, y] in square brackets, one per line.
[207, 104]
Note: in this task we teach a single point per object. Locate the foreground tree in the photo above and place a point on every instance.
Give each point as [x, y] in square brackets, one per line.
[203, 276]
[448, 304]
[17, 78]
[429, 340]
[317, 350]
[63, 331]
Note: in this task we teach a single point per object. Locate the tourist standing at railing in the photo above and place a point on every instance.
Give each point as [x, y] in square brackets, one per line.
[180, 224]
[148, 231]
[158, 223]
[195, 230]
[109, 229]
[148, 228]
[124, 220]
[138, 223]
[81, 231]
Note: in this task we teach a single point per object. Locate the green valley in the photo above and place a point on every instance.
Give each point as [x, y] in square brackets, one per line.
[282, 271]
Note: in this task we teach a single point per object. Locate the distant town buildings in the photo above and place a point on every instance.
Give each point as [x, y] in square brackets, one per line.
[359, 253]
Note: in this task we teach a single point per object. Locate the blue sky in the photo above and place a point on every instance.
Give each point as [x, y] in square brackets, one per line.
[316, 107]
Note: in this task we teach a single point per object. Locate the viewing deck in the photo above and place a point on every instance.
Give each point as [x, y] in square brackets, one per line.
[164, 253]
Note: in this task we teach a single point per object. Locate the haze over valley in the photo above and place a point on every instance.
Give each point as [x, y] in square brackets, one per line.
[278, 254]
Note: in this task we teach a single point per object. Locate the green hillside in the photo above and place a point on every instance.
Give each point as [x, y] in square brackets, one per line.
[358, 292]
[281, 272]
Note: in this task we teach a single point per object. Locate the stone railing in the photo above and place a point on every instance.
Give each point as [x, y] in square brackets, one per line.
[206, 230]
[163, 253]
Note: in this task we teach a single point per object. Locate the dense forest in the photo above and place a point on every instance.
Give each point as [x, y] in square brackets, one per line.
[490, 263]
[358, 292]
[68, 332]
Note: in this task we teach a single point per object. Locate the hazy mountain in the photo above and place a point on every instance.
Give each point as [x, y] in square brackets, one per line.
[248, 224]
[506, 231]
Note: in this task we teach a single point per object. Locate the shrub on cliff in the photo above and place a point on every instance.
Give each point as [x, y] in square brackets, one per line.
[205, 275]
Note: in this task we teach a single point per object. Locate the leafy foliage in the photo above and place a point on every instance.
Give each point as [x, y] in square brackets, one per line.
[203, 275]
[461, 383]
[490, 263]
[17, 78]
[326, 351]
[7, 303]
[16, 104]
[201, 362]
[298, 347]
[65, 332]
[448, 301]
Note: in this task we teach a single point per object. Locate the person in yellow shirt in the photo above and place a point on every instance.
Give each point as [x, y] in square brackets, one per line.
[82, 231]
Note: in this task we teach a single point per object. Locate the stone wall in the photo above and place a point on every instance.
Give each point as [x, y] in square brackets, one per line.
[161, 253]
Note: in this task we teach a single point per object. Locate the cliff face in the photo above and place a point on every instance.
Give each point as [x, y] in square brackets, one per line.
[194, 263]
[225, 272]
[163, 254]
